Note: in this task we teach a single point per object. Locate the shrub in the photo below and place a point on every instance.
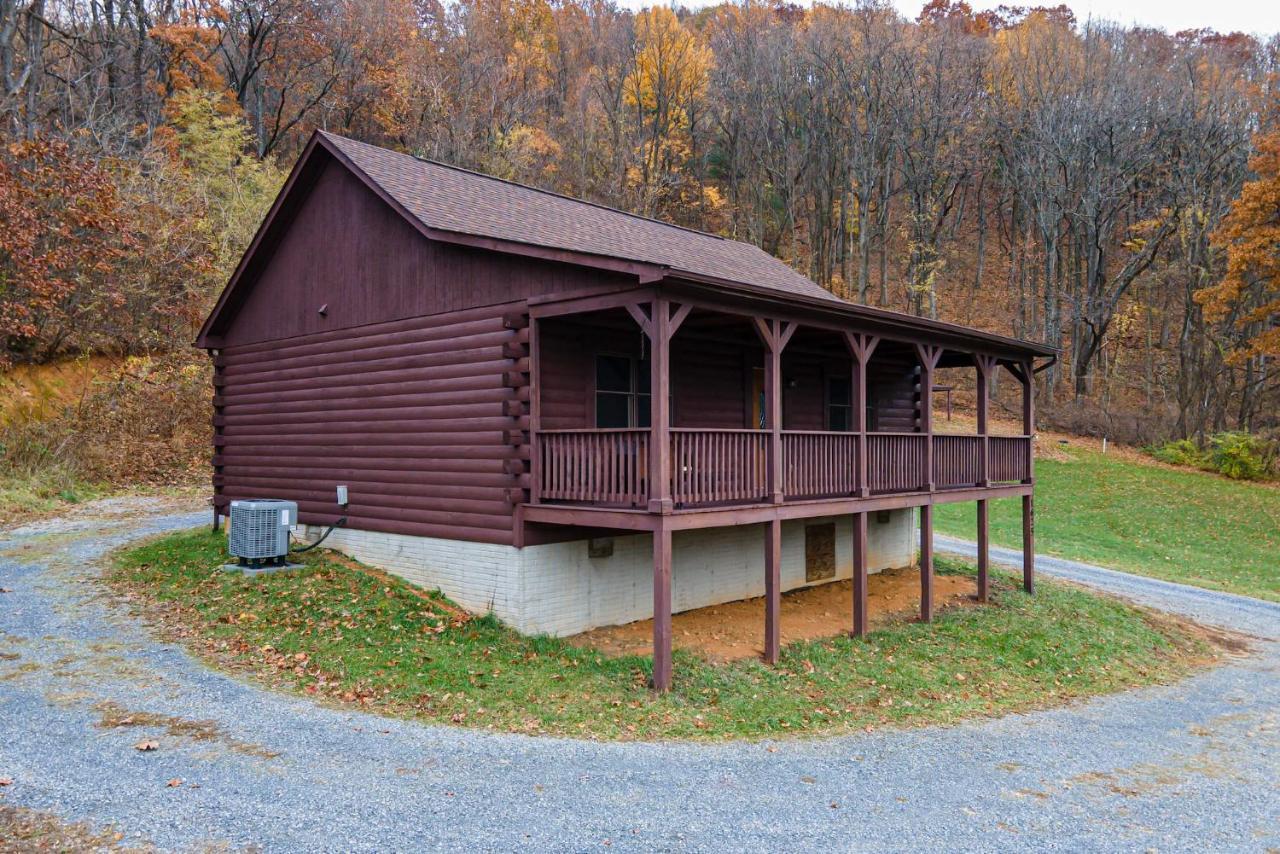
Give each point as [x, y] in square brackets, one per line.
[1180, 452]
[1241, 456]
[1237, 455]
[145, 421]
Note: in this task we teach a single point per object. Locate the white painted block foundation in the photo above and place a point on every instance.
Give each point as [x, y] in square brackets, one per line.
[558, 589]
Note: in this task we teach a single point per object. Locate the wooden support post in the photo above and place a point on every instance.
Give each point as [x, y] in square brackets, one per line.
[659, 408]
[984, 550]
[860, 575]
[772, 589]
[860, 348]
[216, 519]
[926, 563]
[774, 334]
[662, 607]
[929, 356]
[1028, 545]
[1029, 417]
[986, 368]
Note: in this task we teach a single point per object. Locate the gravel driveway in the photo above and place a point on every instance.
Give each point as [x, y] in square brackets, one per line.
[1194, 766]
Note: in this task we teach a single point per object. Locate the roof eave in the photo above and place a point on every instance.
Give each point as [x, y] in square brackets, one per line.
[977, 340]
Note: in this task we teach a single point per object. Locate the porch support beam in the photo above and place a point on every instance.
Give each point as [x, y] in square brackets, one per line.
[860, 575]
[861, 347]
[1026, 376]
[1028, 544]
[926, 563]
[774, 335]
[986, 369]
[658, 325]
[929, 356]
[772, 590]
[662, 607]
[984, 550]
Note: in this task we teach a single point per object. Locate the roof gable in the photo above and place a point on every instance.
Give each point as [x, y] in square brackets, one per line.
[450, 204]
[452, 199]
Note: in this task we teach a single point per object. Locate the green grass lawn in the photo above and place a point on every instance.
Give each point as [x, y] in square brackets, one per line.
[1175, 524]
[341, 631]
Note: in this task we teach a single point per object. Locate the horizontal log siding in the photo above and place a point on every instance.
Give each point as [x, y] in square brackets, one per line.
[419, 418]
[710, 383]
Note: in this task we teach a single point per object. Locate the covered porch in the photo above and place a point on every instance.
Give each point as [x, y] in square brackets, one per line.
[667, 410]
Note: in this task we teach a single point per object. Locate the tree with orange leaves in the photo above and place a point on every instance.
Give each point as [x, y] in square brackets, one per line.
[1249, 293]
[59, 245]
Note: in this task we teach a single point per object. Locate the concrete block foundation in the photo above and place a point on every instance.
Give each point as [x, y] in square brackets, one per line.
[561, 589]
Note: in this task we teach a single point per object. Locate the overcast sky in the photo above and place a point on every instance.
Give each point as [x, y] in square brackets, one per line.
[1250, 16]
[1225, 16]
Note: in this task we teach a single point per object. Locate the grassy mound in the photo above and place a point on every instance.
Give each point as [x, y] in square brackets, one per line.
[1120, 511]
[351, 634]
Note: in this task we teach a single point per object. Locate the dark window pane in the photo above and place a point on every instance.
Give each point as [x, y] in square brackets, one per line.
[838, 419]
[613, 410]
[613, 373]
[642, 410]
[643, 374]
[838, 392]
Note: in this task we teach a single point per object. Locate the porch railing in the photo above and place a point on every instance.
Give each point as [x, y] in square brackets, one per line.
[895, 461]
[708, 467]
[595, 466]
[957, 461]
[716, 466]
[1008, 458]
[819, 464]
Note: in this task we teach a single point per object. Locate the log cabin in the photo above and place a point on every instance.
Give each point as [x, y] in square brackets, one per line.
[573, 416]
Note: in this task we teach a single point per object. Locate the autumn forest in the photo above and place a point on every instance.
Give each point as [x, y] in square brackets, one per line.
[1112, 191]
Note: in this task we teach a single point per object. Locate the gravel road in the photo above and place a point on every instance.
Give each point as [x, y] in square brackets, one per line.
[1193, 766]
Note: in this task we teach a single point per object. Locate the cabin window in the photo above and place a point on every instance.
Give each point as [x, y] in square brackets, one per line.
[622, 391]
[839, 410]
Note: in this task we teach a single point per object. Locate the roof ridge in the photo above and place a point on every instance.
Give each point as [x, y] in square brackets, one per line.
[541, 190]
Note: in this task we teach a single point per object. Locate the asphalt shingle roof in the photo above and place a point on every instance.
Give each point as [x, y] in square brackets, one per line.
[453, 199]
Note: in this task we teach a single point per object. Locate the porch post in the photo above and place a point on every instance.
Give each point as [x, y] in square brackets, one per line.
[986, 366]
[929, 356]
[774, 334]
[860, 347]
[659, 409]
[662, 606]
[1028, 545]
[984, 550]
[860, 574]
[772, 589]
[926, 563]
[1028, 509]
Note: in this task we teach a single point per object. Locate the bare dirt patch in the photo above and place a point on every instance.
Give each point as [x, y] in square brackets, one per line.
[113, 716]
[735, 630]
[23, 831]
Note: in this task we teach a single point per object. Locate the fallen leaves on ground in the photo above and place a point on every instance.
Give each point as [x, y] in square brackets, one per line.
[147, 746]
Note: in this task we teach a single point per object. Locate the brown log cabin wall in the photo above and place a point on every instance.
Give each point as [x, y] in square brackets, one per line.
[402, 390]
